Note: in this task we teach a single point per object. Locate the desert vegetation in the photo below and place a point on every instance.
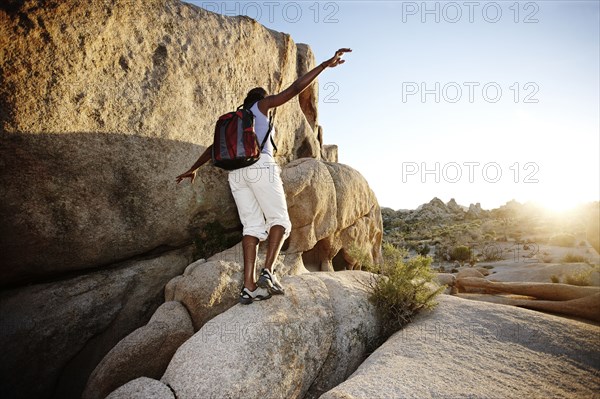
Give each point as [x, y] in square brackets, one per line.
[401, 288]
[468, 236]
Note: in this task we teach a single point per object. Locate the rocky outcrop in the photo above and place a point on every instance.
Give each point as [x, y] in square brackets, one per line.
[147, 351]
[584, 307]
[307, 341]
[103, 104]
[304, 342]
[309, 98]
[208, 288]
[332, 209]
[467, 349]
[550, 291]
[550, 297]
[436, 210]
[329, 153]
[337, 208]
[476, 212]
[59, 331]
[453, 207]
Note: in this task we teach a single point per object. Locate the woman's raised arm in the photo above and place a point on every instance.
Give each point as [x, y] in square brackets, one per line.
[301, 83]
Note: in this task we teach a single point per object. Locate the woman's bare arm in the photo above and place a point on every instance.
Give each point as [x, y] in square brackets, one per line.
[191, 173]
[301, 83]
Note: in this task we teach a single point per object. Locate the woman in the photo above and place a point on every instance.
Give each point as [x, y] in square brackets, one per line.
[258, 190]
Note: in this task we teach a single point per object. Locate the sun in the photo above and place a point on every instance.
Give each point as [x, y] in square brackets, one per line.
[559, 204]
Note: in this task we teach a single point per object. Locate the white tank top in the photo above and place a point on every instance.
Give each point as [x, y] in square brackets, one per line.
[261, 126]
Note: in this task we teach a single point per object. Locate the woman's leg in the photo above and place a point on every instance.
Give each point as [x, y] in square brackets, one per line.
[275, 241]
[253, 221]
[249, 246]
[269, 193]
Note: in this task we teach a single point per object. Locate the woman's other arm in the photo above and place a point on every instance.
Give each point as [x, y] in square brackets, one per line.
[191, 173]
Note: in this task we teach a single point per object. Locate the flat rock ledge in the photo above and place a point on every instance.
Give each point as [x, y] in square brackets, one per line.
[467, 349]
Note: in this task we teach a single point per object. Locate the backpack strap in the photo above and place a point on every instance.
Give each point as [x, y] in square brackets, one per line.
[268, 135]
[271, 122]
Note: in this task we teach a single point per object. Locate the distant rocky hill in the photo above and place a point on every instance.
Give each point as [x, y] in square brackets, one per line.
[436, 210]
[438, 222]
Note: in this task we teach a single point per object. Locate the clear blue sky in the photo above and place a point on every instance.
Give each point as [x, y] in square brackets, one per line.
[479, 101]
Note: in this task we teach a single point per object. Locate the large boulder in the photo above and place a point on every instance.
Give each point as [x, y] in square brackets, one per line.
[289, 346]
[468, 349]
[59, 331]
[145, 352]
[103, 104]
[334, 212]
[208, 288]
[356, 328]
[311, 200]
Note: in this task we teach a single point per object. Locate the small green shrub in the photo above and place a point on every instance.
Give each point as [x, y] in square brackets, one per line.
[554, 278]
[361, 258]
[563, 240]
[402, 289]
[581, 278]
[572, 258]
[460, 253]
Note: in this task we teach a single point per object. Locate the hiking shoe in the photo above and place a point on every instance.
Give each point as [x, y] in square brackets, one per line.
[259, 294]
[269, 281]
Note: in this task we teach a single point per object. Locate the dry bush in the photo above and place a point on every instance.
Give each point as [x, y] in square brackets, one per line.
[581, 278]
[402, 289]
[572, 258]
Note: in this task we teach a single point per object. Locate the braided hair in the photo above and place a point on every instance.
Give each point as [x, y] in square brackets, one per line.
[254, 95]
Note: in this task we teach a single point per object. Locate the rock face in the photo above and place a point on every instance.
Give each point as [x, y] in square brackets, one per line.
[497, 352]
[146, 351]
[103, 104]
[59, 331]
[302, 343]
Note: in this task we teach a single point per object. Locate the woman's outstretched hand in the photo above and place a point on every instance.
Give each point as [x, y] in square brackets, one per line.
[337, 58]
[191, 174]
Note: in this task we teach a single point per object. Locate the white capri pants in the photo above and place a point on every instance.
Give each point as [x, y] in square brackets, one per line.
[260, 199]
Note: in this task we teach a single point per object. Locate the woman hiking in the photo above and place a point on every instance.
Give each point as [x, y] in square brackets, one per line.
[259, 195]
